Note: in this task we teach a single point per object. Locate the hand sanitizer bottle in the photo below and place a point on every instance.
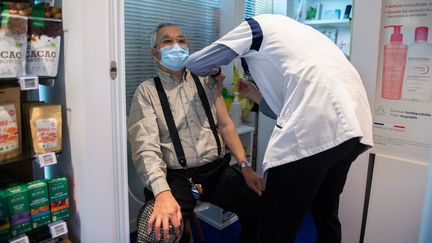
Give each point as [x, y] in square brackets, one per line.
[395, 54]
[235, 111]
[418, 77]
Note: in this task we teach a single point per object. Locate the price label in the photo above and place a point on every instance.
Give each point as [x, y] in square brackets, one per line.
[20, 239]
[58, 228]
[29, 82]
[47, 159]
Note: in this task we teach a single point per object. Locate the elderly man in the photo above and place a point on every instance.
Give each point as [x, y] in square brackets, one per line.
[178, 141]
[323, 118]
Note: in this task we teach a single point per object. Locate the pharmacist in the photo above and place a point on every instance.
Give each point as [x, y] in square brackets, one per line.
[323, 118]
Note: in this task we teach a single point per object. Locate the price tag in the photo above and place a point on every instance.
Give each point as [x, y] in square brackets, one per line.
[29, 82]
[47, 159]
[20, 239]
[58, 228]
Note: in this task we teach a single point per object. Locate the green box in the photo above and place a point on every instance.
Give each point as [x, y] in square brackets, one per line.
[4, 220]
[59, 198]
[39, 203]
[19, 209]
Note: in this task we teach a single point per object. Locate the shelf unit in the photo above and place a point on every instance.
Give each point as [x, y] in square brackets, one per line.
[335, 25]
[325, 23]
[214, 215]
[25, 167]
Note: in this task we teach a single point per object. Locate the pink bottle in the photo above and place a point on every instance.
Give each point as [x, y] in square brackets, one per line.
[395, 54]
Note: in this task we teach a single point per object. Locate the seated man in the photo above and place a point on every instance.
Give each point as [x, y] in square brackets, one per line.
[155, 152]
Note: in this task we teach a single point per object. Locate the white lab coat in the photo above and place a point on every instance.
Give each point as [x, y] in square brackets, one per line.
[308, 82]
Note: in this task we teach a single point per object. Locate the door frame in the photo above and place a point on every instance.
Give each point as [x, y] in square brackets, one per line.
[118, 103]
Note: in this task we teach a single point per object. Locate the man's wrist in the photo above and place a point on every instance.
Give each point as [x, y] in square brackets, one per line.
[244, 164]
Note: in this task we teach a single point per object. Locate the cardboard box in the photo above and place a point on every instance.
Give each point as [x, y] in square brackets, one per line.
[19, 209]
[39, 203]
[59, 198]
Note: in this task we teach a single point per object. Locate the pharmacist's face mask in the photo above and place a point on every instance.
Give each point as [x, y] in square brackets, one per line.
[174, 57]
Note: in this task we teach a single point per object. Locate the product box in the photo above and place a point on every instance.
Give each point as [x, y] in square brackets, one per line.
[19, 210]
[4, 220]
[59, 198]
[39, 203]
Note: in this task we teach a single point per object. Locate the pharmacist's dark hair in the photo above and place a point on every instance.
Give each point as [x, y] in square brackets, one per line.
[156, 30]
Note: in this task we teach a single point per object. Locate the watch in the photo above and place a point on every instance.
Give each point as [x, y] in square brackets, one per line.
[244, 164]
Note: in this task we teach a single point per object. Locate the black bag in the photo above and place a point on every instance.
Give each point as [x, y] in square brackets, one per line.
[142, 226]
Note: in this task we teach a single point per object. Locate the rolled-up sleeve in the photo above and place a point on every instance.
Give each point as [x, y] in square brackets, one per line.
[143, 135]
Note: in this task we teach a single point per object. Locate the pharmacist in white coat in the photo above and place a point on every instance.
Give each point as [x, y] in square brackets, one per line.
[323, 118]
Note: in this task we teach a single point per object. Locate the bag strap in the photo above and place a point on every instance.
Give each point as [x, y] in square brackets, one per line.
[208, 112]
[170, 123]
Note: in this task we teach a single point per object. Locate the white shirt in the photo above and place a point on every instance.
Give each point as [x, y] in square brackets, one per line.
[307, 81]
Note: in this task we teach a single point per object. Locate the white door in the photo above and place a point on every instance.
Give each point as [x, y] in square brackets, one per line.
[94, 154]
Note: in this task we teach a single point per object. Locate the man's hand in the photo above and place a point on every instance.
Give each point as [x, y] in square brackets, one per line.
[219, 78]
[253, 180]
[247, 89]
[166, 210]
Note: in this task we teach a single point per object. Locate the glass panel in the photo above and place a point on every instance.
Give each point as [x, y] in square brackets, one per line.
[257, 7]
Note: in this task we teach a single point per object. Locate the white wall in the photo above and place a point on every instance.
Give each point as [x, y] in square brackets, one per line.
[364, 56]
[84, 88]
[425, 232]
[396, 200]
[398, 186]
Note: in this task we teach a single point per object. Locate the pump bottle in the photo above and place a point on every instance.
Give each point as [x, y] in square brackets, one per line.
[235, 111]
[418, 74]
[395, 54]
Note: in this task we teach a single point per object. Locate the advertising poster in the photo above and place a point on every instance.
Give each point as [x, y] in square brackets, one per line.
[403, 100]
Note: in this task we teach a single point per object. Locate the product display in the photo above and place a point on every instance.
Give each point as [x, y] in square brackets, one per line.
[29, 206]
[395, 54]
[10, 123]
[13, 39]
[30, 40]
[4, 217]
[39, 203]
[59, 198]
[46, 127]
[44, 38]
[19, 209]
[418, 74]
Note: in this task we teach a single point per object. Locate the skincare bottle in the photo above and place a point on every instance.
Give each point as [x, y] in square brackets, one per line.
[393, 70]
[418, 74]
[235, 111]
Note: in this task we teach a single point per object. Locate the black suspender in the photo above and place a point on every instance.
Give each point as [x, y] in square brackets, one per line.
[170, 120]
[206, 105]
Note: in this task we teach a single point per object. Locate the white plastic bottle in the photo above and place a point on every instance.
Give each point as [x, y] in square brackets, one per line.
[418, 74]
[235, 111]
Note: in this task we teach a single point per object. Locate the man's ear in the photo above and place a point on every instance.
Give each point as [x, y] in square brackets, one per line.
[155, 53]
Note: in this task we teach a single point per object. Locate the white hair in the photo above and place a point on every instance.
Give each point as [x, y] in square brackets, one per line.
[156, 30]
